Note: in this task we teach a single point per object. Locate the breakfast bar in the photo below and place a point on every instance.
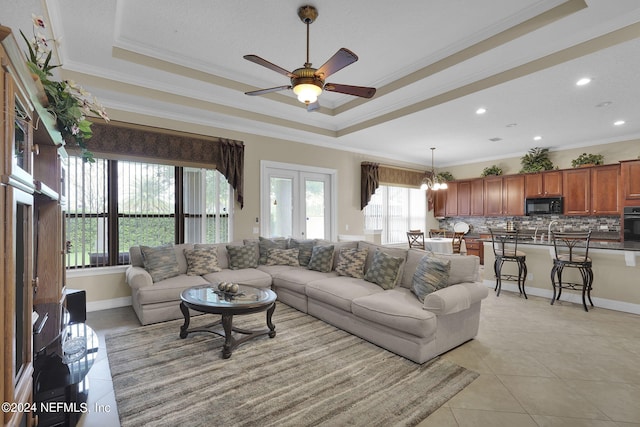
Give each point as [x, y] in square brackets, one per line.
[616, 268]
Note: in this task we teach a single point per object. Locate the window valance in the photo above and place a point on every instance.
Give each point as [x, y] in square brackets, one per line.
[372, 175]
[123, 141]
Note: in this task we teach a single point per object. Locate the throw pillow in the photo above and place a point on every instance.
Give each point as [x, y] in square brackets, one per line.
[304, 249]
[242, 257]
[431, 274]
[321, 258]
[384, 270]
[160, 262]
[264, 244]
[282, 257]
[201, 261]
[351, 262]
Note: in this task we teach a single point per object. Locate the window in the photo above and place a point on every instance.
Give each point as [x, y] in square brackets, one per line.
[396, 210]
[113, 205]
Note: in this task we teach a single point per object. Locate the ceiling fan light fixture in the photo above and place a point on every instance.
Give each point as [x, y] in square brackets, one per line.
[307, 92]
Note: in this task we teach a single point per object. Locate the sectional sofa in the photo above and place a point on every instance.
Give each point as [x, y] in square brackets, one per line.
[389, 315]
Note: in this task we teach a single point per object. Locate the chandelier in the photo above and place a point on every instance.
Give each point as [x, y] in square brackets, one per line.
[432, 183]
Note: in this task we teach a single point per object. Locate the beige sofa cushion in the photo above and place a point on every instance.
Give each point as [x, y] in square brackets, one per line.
[454, 299]
[340, 291]
[168, 289]
[464, 268]
[397, 309]
[246, 276]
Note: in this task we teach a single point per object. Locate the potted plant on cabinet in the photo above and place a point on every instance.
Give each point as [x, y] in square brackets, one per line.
[492, 170]
[445, 177]
[585, 160]
[536, 160]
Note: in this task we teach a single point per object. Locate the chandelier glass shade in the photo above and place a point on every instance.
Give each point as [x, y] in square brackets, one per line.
[432, 183]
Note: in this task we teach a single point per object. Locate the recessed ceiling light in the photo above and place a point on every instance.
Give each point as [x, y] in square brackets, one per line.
[537, 138]
[495, 139]
[583, 81]
[481, 110]
[619, 122]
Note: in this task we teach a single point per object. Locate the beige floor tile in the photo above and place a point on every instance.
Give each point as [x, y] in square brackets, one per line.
[516, 362]
[550, 396]
[443, 417]
[619, 401]
[477, 418]
[585, 365]
[547, 421]
[486, 393]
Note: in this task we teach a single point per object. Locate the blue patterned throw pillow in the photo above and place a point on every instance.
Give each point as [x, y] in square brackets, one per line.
[384, 270]
[431, 274]
[160, 262]
[351, 262]
[201, 261]
[321, 258]
[242, 257]
[305, 247]
[265, 244]
[277, 256]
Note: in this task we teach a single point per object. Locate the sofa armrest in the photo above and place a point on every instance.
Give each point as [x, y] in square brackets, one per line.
[138, 277]
[455, 298]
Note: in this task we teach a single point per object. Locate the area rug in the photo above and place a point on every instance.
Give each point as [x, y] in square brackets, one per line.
[311, 373]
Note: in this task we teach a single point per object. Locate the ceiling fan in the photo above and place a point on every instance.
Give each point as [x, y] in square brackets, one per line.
[308, 82]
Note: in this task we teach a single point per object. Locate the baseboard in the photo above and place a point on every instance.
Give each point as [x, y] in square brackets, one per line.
[106, 304]
[569, 296]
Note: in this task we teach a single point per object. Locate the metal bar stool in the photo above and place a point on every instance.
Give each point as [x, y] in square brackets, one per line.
[505, 249]
[572, 250]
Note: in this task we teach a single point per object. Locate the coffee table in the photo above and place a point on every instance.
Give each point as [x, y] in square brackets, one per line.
[208, 299]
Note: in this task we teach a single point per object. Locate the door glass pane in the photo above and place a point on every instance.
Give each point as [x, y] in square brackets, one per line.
[315, 209]
[281, 207]
[20, 131]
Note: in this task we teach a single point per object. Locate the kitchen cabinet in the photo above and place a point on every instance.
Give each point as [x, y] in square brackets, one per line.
[439, 202]
[504, 195]
[591, 190]
[543, 184]
[470, 197]
[464, 198]
[630, 178]
[475, 247]
[451, 196]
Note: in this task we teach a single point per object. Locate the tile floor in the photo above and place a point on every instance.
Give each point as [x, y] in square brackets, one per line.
[539, 365]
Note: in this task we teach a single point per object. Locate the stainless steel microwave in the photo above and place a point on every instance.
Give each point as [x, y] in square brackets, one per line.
[543, 206]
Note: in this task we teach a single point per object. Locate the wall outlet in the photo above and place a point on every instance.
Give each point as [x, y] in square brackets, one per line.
[256, 230]
[530, 276]
[346, 227]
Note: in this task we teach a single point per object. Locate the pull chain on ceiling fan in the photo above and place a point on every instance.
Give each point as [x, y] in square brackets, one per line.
[308, 82]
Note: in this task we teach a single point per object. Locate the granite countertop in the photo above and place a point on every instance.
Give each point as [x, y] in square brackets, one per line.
[619, 246]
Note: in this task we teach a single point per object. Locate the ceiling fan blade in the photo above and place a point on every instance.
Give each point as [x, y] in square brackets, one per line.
[263, 91]
[337, 62]
[364, 92]
[313, 106]
[269, 65]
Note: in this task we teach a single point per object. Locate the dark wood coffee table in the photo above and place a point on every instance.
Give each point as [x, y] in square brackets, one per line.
[207, 299]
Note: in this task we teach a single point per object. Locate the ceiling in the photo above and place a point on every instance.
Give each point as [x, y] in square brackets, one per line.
[433, 62]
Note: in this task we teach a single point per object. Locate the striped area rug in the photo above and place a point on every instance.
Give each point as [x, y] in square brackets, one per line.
[311, 373]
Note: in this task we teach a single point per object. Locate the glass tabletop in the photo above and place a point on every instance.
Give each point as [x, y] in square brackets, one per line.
[210, 296]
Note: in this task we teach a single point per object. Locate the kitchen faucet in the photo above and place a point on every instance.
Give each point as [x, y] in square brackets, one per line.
[549, 229]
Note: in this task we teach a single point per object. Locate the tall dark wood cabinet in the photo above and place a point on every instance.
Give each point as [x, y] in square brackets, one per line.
[31, 222]
[592, 190]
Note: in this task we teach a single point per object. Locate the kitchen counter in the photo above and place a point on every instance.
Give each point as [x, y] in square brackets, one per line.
[593, 244]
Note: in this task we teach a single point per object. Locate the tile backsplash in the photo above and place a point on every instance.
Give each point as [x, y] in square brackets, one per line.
[477, 225]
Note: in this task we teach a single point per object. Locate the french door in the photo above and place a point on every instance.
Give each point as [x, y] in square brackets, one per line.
[297, 201]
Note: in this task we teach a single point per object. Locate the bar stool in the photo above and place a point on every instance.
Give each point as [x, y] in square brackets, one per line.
[505, 249]
[572, 250]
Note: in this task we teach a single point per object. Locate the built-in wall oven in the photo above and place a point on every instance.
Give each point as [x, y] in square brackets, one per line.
[631, 219]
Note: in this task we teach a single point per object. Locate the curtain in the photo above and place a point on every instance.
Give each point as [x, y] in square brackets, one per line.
[369, 182]
[232, 166]
[123, 141]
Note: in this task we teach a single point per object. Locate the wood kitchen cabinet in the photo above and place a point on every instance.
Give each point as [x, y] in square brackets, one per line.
[591, 190]
[543, 184]
[504, 195]
[451, 195]
[475, 247]
[464, 198]
[439, 203]
[630, 179]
